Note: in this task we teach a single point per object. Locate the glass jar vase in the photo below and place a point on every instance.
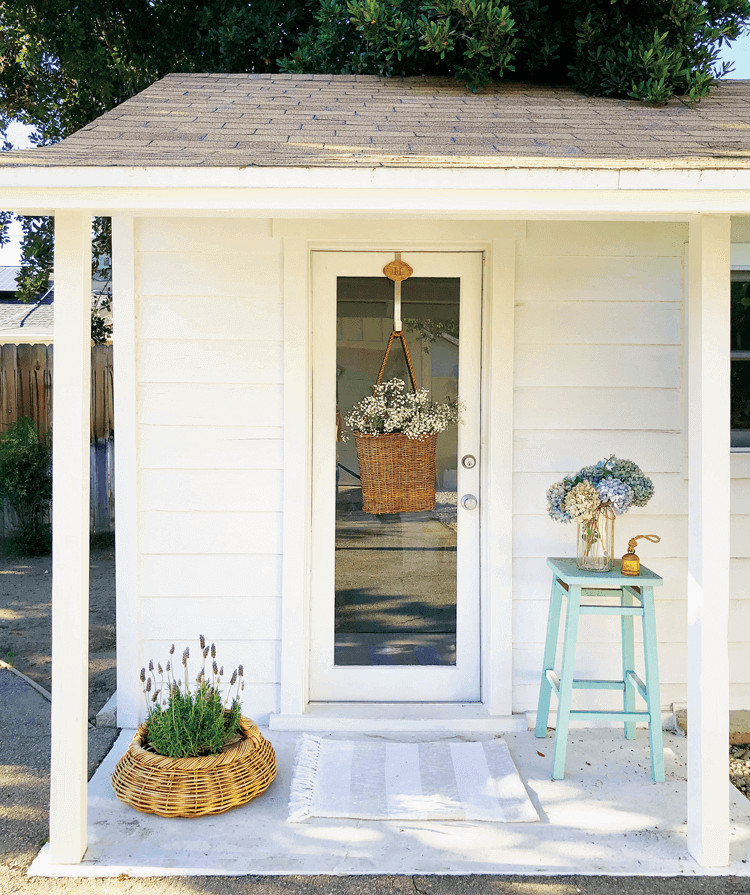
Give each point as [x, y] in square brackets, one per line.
[596, 541]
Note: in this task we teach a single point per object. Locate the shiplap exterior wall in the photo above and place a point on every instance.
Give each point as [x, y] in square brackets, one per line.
[599, 370]
[599, 361]
[209, 383]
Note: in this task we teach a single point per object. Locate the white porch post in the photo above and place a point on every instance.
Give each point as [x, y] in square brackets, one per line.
[126, 468]
[71, 431]
[708, 540]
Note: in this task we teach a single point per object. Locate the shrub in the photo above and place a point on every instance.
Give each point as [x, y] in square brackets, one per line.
[184, 723]
[26, 485]
[640, 49]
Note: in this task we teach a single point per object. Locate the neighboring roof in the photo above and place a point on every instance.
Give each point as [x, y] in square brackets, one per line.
[8, 279]
[18, 318]
[15, 315]
[289, 120]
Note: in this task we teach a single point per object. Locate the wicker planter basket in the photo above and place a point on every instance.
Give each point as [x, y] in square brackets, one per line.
[398, 473]
[193, 787]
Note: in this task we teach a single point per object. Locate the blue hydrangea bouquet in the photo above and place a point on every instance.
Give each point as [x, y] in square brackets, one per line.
[592, 498]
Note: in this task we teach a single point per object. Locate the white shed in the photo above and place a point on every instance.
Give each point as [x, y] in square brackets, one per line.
[572, 261]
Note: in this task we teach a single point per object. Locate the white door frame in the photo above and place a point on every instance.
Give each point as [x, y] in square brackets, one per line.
[455, 683]
[497, 239]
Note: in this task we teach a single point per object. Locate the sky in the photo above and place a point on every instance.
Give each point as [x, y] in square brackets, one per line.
[738, 53]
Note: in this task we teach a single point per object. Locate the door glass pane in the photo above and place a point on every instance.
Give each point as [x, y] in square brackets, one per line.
[396, 573]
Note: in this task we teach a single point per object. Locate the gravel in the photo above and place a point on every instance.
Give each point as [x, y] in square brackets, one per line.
[446, 508]
[25, 632]
[25, 643]
[24, 772]
[739, 768]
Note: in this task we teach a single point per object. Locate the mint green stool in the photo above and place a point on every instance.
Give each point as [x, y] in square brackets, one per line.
[571, 582]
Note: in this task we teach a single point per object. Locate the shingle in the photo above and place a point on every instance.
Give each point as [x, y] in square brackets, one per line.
[353, 120]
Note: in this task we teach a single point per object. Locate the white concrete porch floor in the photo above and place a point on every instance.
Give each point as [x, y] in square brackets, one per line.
[606, 817]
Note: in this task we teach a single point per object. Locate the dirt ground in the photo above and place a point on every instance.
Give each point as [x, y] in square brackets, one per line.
[25, 632]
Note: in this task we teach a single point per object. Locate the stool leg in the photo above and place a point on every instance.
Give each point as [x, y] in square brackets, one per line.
[628, 663]
[652, 685]
[566, 682]
[548, 664]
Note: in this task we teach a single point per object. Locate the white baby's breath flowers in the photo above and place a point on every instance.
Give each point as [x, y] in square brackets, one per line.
[392, 409]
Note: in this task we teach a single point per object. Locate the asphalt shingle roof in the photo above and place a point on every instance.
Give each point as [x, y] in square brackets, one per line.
[37, 316]
[349, 121]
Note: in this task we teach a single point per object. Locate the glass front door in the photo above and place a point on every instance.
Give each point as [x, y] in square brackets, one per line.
[395, 603]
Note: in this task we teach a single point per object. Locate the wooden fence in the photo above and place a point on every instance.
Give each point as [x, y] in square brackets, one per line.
[26, 380]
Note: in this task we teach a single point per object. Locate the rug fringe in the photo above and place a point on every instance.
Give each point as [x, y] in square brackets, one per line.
[303, 782]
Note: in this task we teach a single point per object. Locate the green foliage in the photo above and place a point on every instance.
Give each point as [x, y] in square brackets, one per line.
[428, 331]
[192, 723]
[63, 63]
[102, 540]
[182, 722]
[653, 49]
[101, 266]
[26, 484]
[475, 40]
[37, 258]
[641, 49]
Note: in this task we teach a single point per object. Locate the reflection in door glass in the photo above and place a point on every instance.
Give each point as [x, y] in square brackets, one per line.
[396, 573]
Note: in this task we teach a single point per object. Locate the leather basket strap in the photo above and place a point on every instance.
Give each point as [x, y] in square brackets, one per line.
[397, 334]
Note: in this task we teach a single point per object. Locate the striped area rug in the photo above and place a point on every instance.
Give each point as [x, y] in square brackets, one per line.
[382, 780]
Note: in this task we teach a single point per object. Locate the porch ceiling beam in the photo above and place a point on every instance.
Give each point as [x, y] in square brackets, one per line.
[70, 533]
[518, 174]
[708, 539]
[297, 201]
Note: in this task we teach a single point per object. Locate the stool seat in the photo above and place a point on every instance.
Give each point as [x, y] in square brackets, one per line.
[636, 598]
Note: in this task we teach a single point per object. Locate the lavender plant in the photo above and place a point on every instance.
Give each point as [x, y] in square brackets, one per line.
[392, 409]
[185, 723]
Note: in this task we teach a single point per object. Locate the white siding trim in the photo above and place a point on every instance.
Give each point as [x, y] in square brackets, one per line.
[297, 417]
[70, 525]
[300, 238]
[33, 189]
[126, 468]
[708, 540]
[497, 538]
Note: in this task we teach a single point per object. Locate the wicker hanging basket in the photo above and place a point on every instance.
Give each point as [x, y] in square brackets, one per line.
[397, 473]
[193, 787]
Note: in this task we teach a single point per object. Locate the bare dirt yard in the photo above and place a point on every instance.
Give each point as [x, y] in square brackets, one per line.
[25, 627]
[25, 643]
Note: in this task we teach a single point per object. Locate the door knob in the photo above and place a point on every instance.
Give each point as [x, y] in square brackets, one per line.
[469, 502]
